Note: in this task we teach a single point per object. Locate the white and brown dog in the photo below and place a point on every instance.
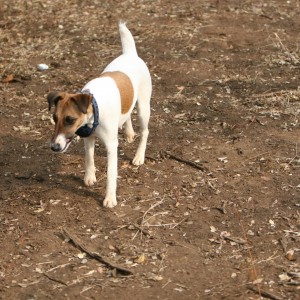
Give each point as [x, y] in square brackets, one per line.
[103, 106]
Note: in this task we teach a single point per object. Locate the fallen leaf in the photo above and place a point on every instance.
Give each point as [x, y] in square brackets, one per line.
[81, 255]
[257, 281]
[265, 178]
[272, 223]
[284, 277]
[213, 229]
[179, 116]
[93, 236]
[8, 78]
[155, 277]
[141, 259]
[21, 128]
[111, 247]
[290, 255]
[90, 273]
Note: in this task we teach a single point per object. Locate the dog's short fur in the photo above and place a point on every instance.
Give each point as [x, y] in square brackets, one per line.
[123, 83]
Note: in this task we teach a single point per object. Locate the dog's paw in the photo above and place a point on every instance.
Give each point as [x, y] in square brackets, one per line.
[130, 136]
[110, 202]
[89, 179]
[138, 160]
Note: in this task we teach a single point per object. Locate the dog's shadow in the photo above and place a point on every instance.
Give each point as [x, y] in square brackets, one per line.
[74, 184]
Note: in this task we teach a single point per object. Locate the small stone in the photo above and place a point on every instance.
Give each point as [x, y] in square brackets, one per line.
[42, 67]
[290, 255]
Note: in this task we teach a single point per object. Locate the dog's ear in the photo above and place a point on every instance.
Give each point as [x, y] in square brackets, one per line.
[82, 101]
[53, 98]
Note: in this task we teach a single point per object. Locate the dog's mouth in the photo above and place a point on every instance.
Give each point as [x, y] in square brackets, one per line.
[61, 147]
[68, 142]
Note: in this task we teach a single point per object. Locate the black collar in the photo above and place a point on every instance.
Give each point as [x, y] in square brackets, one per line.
[86, 130]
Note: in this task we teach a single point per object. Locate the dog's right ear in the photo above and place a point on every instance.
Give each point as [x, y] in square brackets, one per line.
[53, 98]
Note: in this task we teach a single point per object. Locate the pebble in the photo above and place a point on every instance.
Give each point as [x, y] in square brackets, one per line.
[42, 67]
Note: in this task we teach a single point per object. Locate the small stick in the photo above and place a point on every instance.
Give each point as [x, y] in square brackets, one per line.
[296, 155]
[188, 162]
[222, 208]
[283, 242]
[263, 293]
[76, 161]
[95, 255]
[143, 231]
[150, 208]
[235, 240]
[253, 157]
[151, 158]
[60, 266]
[53, 279]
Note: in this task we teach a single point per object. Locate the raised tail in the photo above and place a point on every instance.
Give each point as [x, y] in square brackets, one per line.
[128, 44]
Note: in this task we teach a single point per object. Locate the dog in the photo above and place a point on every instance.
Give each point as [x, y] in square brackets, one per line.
[102, 107]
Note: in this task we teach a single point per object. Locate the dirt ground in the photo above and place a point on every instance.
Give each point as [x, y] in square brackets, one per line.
[214, 212]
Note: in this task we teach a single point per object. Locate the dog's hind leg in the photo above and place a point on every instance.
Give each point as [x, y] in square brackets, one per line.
[143, 107]
[90, 171]
[129, 132]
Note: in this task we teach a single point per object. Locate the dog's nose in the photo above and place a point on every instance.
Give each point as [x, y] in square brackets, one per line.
[55, 147]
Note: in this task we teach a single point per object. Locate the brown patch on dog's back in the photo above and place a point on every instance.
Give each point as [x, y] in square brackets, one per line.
[125, 87]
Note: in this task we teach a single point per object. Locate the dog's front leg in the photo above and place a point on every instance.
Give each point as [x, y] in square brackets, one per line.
[112, 174]
[90, 171]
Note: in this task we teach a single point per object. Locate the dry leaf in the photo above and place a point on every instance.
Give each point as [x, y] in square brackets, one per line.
[141, 259]
[290, 255]
[257, 281]
[90, 273]
[93, 236]
[21, 128]
[213, 229]
[81, 255]
[284, 277]
[8, 78]
[155, 277]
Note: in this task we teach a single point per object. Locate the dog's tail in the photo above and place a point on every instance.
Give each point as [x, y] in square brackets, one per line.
[128, 44]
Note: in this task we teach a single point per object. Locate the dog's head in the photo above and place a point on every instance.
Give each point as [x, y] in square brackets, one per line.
[70, 113]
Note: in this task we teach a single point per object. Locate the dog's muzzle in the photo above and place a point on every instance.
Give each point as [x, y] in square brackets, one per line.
[59, 146]
[55, 147]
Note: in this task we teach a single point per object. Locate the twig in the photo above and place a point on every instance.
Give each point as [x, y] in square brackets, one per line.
[251, 260]
[143, 231]
[286, 50]
[151, 158]
[188, 162]
[222, 208]
[263, 293]
[253, 157]
[60, 266]
[53, 279]
[95, 255]
[296, 155]
[234, 239]
[76, 161]
[150, 208]
[173, 225]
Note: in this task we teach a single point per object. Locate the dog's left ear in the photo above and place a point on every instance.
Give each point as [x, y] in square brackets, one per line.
[83, 101]
[53, 98]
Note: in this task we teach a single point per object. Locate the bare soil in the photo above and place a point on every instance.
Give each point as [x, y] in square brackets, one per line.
[214, 212]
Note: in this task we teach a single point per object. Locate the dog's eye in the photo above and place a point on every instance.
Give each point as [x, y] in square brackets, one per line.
[54, 118]
[69, 120]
